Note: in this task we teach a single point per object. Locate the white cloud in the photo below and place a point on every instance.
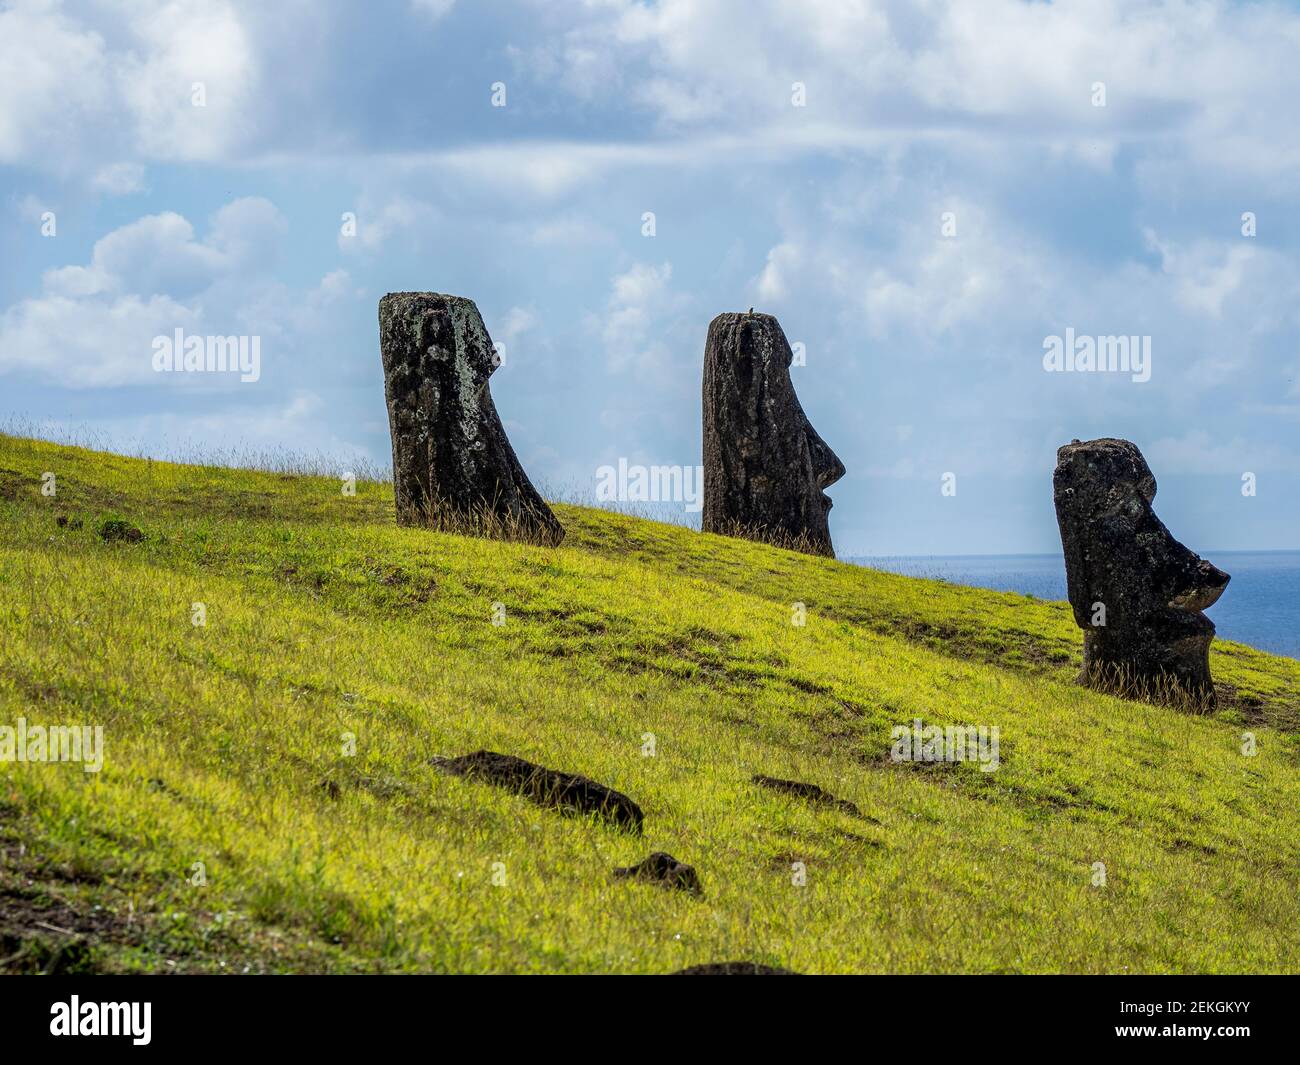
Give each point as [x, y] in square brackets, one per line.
[29, 207]
[146, 253]
[1196, 80]
[1208, 273]
[277, 312]
[434, 9]
[1002, 70]
[54, 81]
[518, 320]
[178, 45]
[771, 284]
[119, 179]
[246, 233]
[335, 286]
[72, 93]
[928, 285]
[636, 321]
[377, 225]
[568, 229]
[94, 324]
[89, 343]
[160, 253]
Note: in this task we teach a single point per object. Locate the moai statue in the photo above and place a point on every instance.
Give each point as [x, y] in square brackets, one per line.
[764, 464]
[453, 465]
[1137, 593]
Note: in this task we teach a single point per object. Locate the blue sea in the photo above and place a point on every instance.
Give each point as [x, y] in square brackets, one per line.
[1260, 607]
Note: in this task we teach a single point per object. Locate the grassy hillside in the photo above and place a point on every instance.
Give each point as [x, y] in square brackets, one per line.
[226, 745]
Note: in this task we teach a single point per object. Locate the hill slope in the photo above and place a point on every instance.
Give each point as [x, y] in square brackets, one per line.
[227, 745]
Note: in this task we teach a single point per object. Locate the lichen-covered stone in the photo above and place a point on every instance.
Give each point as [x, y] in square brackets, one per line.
[764, 464]
[1136, 592]
[452, 462]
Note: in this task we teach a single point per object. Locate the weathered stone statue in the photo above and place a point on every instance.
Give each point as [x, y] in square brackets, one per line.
[1137, 593]
[764, 464]
[453, 466]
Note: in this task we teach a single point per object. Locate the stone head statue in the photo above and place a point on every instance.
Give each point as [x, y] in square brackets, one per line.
[452, 460]
[764, 464]
[1136, 592]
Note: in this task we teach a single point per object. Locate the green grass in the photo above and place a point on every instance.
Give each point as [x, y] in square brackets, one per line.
[225, 744]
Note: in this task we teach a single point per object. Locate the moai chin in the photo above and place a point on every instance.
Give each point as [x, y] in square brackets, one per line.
[1136, 592]
[453, 465]
[764, 464]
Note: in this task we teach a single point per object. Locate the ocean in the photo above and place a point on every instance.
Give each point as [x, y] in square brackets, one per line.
[1260, 607]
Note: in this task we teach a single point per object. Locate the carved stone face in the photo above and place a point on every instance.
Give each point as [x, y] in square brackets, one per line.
[764, 464]
[1136, 591]
[450, 449]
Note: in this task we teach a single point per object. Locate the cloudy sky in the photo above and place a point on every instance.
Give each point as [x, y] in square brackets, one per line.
[922, 192]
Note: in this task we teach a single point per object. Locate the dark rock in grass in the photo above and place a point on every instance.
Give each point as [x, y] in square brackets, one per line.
[810, 792]
[113, 529]
[764, 464]
[664, 869]
[734, 968]
[547, 787]
[453, 465]
[64, 522]
[1136, 592]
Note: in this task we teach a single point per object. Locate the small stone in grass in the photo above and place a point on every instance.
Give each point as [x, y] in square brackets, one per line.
[116, 529]
[664, 869]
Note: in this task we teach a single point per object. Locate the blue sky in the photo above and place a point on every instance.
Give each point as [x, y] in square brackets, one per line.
[924, 345]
